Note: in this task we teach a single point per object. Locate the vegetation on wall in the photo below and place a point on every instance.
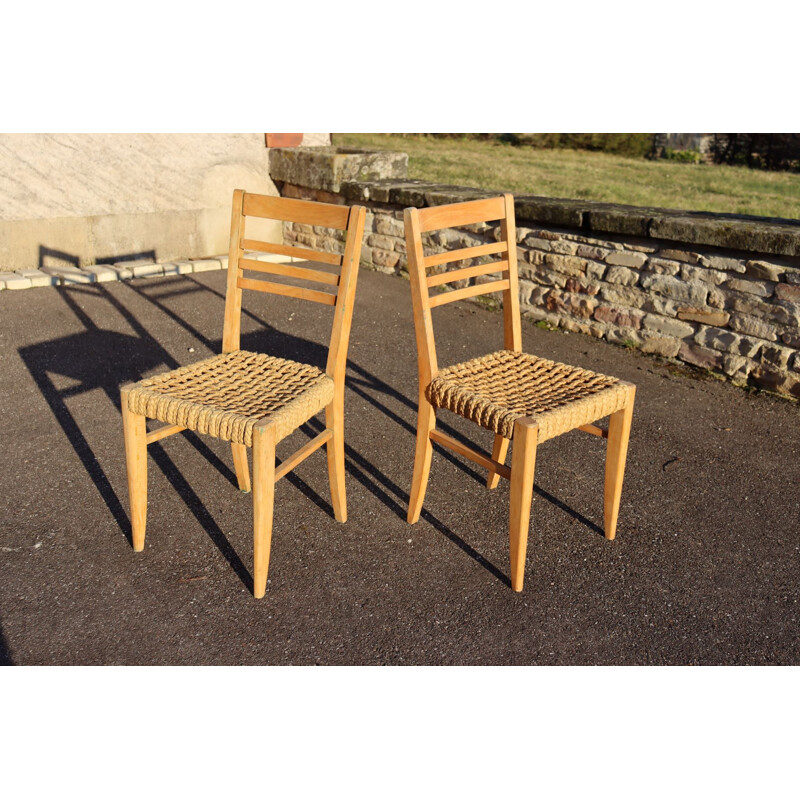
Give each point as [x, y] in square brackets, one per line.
[623, 144]
[770, 151]
[633, 145]
[684, 156]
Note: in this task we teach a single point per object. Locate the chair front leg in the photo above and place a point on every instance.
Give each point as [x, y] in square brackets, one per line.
[426, 422]
[241, 467]
[263, 501]
[135, 432]
[619, 431]
[499, 452]
[334, 422]
[523, 466]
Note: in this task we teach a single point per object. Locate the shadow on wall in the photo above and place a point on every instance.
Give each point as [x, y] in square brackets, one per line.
[49, 257]
[99, 358]
[145, 255]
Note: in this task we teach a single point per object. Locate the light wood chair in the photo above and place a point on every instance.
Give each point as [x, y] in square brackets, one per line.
[520, 397]
[252, 399]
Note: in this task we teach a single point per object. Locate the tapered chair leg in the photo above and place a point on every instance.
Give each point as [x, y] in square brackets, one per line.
[263, 501]
[523, 466]
[334, 421]
[241, 467]
[426, 422]
[619, 430]
[135, 431]
[499, 452]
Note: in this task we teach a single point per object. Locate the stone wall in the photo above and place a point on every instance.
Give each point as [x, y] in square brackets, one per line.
[717, 292]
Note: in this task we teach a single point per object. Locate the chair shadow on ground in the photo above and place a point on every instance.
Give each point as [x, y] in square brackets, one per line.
[5, 653]
[98, 358]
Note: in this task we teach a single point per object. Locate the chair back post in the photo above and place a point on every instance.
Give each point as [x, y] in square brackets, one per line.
[512, 327]
[345, 299]
[423, 324]
[231, 328]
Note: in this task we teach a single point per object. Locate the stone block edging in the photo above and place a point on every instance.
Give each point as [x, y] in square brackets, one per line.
[755, 234]
[121, 271]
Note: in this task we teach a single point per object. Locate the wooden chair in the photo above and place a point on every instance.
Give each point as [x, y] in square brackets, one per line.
[518, 396]
[252, 399]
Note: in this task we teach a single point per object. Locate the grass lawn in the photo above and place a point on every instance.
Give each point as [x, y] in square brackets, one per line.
[592, 176]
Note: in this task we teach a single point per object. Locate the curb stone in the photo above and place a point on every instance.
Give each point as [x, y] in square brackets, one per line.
[122, 271]
[103, 273]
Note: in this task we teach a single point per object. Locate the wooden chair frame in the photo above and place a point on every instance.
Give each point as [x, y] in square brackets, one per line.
[525, 435]
[265, 475]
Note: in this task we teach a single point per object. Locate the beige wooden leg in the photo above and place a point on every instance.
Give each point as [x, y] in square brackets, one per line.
[426, 422]
[523, 466]
[334, 421]
[499, 452]
[619, 429]
[263, 497]
[241, 467]
[135, 430]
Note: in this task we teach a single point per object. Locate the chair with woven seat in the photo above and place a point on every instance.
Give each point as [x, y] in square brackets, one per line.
[253, 399]
[520, 397]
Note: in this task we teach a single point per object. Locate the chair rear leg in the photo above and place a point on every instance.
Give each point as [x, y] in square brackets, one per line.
[523, 466]
[619, 430]
[334, 421]
[426, 422]
[241, 466]
[263, 501]
[499, 452]
[135, 431]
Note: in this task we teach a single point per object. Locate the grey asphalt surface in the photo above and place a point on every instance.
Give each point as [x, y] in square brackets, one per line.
[704, 569]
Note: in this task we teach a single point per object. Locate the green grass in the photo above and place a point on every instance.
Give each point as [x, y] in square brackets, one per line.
[591, 176]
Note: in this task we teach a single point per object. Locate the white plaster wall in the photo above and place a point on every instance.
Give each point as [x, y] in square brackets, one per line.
[96, 196]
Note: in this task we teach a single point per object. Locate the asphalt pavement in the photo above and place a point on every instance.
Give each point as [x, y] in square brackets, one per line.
[704, 569]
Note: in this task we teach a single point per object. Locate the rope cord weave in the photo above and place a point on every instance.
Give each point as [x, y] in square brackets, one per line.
[226, 395]
[499, 388]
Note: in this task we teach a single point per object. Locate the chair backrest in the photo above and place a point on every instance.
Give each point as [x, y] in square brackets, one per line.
[472, 212]
[336, 290]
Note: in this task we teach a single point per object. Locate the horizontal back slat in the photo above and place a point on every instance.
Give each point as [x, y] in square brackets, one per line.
[290, 271]
[291, 250]
[468, 291]
[465, 253]
[304, 212]
[283, 289]
[455, 214]
[467, 272]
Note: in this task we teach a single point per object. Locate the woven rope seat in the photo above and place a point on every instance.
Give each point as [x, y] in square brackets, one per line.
[497, 389]
[226, 395]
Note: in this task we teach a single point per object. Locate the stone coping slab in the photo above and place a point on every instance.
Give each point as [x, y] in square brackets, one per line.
[327, 168]
[731, 231]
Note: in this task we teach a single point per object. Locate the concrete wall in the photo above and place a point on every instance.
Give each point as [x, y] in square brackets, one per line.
[98, 198]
